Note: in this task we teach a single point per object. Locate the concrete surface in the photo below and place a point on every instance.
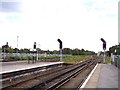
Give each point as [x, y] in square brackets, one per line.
[105, 76]
[21, 65]
[108, 77]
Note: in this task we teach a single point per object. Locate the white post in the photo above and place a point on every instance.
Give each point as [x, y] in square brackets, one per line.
[4, 53]
[61, 55]
[39, 51]
[38, 45]
[111, 59]
[33, 56]
[104, 57]
[37, 54]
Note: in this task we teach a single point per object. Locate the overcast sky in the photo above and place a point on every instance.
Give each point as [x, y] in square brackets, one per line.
[78, 23]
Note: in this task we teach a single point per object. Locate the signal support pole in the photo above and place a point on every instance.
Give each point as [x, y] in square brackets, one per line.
[60, 46]
[104, 48]
[60, 54]
[104, 56]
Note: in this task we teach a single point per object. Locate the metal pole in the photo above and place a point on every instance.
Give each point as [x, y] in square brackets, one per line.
[61, 55]
[117, 54]
[37, 54]
[39, 50]
[33, 56]
[4, 53]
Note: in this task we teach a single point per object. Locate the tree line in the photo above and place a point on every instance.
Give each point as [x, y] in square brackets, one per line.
[75, 51]
[115, 50]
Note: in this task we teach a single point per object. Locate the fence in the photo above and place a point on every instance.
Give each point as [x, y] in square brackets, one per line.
[115, 60]
[2, 55]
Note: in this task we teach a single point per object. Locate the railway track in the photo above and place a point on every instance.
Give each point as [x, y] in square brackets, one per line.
[61, 80]
[16, 77]
[55, 78]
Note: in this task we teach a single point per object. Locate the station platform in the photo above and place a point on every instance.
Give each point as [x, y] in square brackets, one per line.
[103, 76]
[6, 67]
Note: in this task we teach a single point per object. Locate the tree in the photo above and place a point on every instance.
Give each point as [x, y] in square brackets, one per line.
[10, 50]
[76, 51]
[0, 49]
[67, 51]
[115, 49]
[16, 50]
[39, 50]
[21, 51]
[26, 50]
[55, 52]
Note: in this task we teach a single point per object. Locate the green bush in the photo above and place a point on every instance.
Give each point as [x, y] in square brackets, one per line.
[49, 57]
[15, 58]
[12, 58]
[27, 58]
[107, 60]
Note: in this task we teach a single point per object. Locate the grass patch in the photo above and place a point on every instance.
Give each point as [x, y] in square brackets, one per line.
[66, 59]
[18, 58]
[107, 60]
[76, 59]
[49, 57]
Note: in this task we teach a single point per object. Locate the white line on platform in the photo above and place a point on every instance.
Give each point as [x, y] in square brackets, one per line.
[83, 85]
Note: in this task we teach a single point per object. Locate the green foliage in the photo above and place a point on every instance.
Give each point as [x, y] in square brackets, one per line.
[68, 59]
[107, 60]
[49, 57]
[12, 58]
[55, 52]
[65, 51]
[115, 49]
[75, 59]
[77, 51]
[10, 50]
[0, 49]
[15, 58]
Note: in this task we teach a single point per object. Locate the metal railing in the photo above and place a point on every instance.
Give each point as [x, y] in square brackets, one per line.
[115, 60]
[2, 55]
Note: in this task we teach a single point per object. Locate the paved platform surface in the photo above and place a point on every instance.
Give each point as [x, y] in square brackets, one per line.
[104, 76]
[21, 65]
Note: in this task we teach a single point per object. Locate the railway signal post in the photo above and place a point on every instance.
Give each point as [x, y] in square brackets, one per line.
[60, 46]
[34, 49]
[104, 48]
